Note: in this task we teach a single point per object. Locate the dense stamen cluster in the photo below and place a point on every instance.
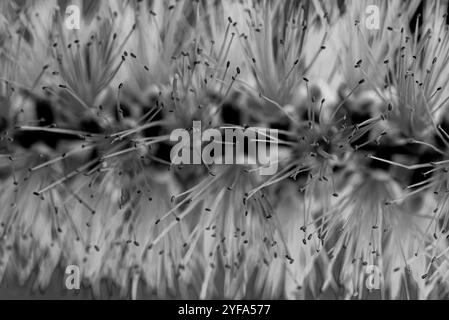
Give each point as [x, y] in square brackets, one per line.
[363, 141]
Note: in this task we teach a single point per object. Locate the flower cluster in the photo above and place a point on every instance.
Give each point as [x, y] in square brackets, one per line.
[86, 177]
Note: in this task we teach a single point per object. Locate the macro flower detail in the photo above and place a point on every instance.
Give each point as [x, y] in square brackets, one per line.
[251, 149]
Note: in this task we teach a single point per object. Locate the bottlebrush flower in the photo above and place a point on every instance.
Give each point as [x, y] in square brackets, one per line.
[236, 236]
[274, 47]
[365, 49]
[371, 231]
[357, 208]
